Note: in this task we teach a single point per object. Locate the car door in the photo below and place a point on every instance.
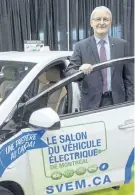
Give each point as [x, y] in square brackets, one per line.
[92, 150]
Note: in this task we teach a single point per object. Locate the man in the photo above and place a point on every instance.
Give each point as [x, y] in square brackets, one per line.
[111, 85]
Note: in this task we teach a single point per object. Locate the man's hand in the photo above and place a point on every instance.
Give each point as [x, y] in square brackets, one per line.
[86, 68]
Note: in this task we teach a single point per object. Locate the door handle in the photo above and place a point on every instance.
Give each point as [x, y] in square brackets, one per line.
[128, 124]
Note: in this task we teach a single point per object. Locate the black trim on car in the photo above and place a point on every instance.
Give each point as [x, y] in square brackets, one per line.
[69, 97]
[87, 112]
[16, 63]
[55, 126]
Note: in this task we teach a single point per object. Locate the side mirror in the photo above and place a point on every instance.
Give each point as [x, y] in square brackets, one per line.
[45, 118]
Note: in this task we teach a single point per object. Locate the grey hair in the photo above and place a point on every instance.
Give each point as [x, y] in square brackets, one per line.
[101, 8]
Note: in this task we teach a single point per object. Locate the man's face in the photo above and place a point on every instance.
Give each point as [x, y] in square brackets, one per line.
[101, 22]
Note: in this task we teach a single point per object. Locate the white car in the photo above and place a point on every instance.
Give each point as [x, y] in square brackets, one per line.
[48, 146]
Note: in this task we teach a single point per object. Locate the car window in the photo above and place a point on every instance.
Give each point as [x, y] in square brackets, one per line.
[47, 78]
[58, 100]
[11, 74]
[52, 74]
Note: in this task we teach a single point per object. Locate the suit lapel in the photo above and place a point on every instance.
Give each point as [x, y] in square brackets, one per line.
[112, 52]
[94, 49]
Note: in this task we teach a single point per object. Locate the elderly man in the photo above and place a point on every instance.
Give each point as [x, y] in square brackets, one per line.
[111, 85]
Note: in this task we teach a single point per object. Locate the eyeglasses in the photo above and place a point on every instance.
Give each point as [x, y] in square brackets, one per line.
[105, 20]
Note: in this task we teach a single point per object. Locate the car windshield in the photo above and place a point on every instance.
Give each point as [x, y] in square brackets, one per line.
[11, 74]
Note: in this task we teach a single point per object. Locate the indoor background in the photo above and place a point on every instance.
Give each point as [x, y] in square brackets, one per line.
[60, 23]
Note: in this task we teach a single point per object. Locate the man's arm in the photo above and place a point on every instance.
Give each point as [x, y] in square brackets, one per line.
[76, 59]
[76, 64]
[128, 78]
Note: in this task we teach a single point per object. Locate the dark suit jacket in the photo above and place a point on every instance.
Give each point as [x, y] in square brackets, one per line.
[92, 85]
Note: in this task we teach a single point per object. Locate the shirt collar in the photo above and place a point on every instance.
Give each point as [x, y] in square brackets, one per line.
[106, 39]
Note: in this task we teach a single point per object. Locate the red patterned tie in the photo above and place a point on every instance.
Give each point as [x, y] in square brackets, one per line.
[103, 58]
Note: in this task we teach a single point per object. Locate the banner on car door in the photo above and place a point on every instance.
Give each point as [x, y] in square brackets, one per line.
[70, 158]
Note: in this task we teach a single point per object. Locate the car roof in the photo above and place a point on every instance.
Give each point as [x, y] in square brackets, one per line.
[34, 57]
